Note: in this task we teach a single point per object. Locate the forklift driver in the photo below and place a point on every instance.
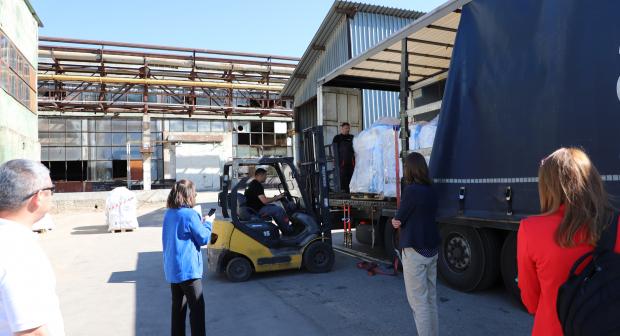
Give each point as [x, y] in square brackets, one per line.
[256, 199]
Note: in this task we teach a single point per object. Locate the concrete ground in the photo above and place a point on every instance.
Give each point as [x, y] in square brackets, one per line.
[112, 284]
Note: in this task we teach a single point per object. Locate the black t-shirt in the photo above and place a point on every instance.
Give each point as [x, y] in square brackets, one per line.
[345, 149]
[252, 192]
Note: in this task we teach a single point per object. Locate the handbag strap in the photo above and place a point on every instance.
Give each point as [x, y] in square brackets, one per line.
[578, 263]
[607, 242]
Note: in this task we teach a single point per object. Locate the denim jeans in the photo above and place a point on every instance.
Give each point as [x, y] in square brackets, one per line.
[277, 213]
[420, 275]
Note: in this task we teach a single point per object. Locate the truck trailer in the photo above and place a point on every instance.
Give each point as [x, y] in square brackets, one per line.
[519, 79]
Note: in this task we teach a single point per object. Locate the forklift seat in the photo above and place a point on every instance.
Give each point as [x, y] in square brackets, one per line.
[244, 212]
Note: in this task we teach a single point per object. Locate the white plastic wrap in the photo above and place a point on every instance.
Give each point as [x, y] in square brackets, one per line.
[368, 174]
[389, 161]
[427, 134]
[120, 209]
[422, 134]
[375, 168]
[414, 135]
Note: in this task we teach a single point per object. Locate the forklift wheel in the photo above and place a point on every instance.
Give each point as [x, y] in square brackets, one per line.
[318, 257]
[238, 269]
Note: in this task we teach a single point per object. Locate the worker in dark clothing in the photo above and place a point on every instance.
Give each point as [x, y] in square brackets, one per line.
[344, 146]
[263, 205]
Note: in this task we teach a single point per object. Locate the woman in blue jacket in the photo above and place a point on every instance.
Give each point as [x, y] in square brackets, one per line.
[184, 232]
[419, 242]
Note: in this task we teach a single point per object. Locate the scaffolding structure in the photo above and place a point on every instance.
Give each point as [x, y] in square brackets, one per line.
[115, 77]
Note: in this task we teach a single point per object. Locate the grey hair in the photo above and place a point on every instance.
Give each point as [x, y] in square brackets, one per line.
[18, 179]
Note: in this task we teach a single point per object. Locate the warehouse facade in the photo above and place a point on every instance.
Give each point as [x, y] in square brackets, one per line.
[114, 113]
[18, 85]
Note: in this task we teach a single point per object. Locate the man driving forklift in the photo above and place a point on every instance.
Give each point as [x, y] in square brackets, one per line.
[247, 243]
[263, 205]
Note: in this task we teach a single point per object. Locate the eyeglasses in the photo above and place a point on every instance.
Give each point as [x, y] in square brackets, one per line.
[51, 189]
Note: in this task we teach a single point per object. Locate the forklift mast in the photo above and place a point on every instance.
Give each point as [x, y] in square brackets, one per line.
[315, 176]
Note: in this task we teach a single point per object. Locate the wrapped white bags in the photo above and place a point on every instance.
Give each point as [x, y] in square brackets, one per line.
[120, 210]
[375, 160]
[422, 134]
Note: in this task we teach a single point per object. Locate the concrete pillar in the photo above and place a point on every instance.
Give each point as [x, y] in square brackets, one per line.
[147, 151]
[169, 161]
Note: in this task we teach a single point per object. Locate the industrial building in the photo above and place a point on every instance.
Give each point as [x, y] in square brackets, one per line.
[19, 29]
[116, 113]
[347, 31]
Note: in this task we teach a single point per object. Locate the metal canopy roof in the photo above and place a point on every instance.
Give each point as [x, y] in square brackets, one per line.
[430, 41]
[326, 29]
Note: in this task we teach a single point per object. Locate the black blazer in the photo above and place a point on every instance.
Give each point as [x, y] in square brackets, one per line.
[417, 213]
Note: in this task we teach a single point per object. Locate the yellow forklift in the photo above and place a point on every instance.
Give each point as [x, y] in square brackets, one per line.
[248, 243]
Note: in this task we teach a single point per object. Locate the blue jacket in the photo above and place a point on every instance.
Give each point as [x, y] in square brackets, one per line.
[183, 234]
[417, 213]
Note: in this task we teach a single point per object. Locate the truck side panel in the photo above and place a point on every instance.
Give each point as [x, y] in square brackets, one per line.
[526, 78]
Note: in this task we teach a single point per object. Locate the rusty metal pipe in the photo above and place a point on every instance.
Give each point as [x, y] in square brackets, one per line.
[156, 61]
[97, 51]
[148, 81]
[168, 48]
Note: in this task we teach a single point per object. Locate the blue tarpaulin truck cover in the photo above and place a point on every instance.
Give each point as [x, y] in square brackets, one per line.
[526, 78]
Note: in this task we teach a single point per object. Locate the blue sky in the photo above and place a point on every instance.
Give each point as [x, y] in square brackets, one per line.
[277, 27]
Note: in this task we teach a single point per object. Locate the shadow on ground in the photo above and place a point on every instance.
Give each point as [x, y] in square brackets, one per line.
[152, 290]
[152, 219]
[90, 229]
[152, 294]
[298, 302]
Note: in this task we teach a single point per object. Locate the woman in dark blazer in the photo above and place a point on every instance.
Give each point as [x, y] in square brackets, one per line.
[419, 242]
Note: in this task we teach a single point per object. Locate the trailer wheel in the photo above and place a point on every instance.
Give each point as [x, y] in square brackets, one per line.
[492, 251]
[238, 269]
[390, 240]
[468, 258]
[363, 233]
[380, 230]
[509, 266]
[318, 257]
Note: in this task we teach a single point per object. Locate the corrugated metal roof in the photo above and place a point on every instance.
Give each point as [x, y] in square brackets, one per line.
[333, 18]
[336, 53]
[430, 41]
[369, 29]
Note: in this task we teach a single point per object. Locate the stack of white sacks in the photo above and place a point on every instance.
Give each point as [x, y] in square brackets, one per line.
[422, 134]
[120, 210]
[375, 169]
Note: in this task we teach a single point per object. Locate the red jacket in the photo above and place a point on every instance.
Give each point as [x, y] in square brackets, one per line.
[544, 267]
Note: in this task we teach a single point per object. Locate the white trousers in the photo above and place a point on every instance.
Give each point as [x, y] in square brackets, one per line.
[420, 275]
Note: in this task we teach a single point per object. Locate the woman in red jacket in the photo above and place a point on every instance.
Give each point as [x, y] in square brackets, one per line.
[575, 210]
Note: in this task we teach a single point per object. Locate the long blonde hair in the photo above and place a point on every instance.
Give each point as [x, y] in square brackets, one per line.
[568, 177]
